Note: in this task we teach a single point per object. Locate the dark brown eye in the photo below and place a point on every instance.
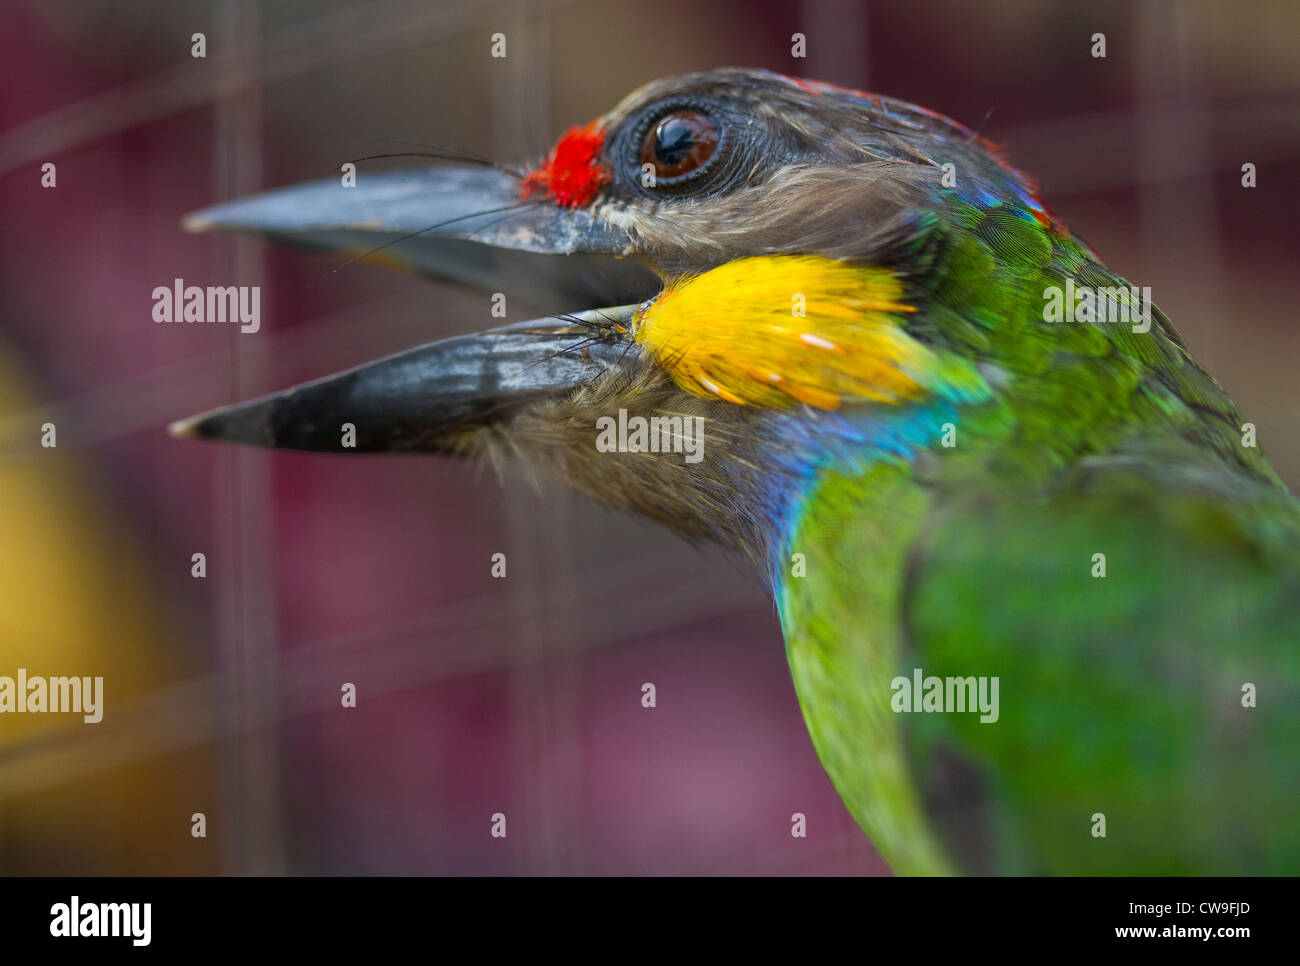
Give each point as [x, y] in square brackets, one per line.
[679, 143]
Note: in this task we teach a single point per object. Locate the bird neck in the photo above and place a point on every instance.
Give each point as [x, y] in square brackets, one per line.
[837, 597]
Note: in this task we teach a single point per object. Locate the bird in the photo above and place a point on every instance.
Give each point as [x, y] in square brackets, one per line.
[1037, 582]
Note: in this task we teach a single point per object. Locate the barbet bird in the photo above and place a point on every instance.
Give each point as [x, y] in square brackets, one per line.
[1038, 587]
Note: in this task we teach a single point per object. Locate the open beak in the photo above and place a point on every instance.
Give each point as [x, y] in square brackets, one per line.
[423, 399]
[461, 223]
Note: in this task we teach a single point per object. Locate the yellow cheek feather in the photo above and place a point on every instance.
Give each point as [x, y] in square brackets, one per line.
[779, 329]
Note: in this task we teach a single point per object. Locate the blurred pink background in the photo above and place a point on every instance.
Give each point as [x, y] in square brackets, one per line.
[478, 695]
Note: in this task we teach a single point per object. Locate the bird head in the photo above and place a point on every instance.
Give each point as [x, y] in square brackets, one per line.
[755, 280]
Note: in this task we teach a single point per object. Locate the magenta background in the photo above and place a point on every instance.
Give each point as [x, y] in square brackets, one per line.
[523, 695]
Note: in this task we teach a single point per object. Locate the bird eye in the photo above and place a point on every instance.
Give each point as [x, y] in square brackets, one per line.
[679, 143]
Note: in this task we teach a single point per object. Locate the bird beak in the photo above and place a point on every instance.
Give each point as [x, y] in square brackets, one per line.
[423, 399]
[464, 224]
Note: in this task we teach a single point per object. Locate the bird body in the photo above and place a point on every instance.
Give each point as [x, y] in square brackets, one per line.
[959, 448]
[1121, 688]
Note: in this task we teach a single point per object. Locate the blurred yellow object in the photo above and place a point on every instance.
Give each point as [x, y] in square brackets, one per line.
[77, 597]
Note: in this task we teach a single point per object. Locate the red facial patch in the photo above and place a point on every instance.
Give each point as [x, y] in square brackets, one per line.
[572, 174]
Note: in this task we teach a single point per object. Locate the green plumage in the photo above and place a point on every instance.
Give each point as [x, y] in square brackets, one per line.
[1120, 695]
